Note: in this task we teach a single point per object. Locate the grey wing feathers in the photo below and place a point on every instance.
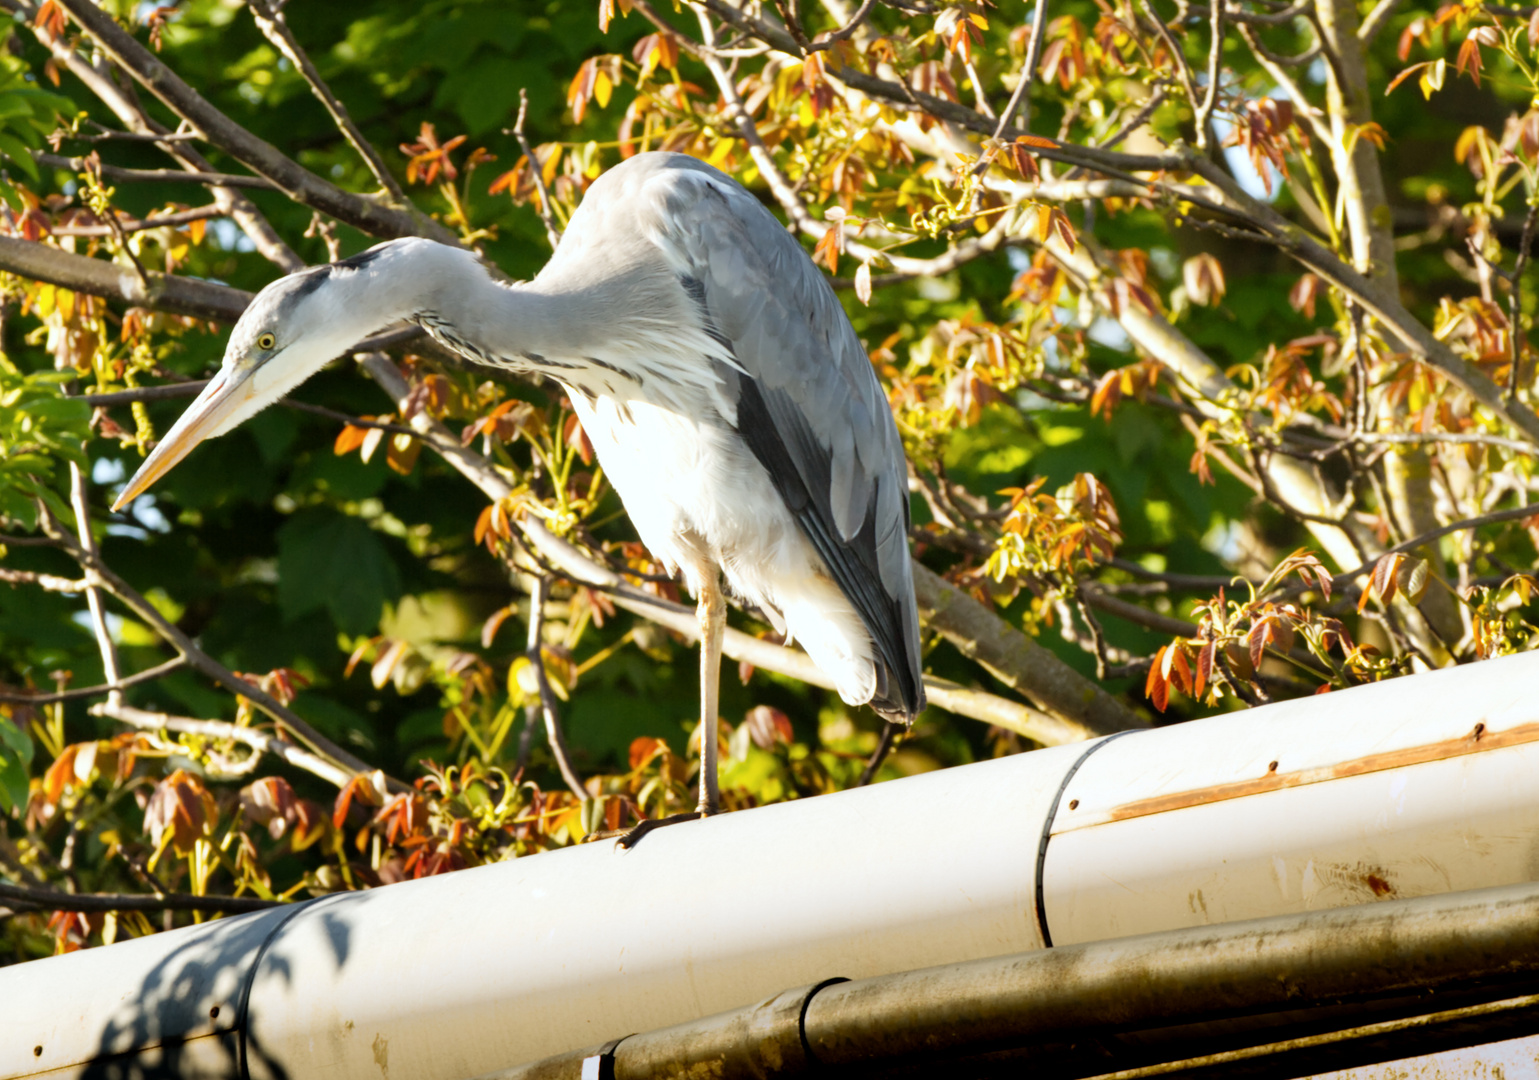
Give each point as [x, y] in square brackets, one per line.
[810, 407]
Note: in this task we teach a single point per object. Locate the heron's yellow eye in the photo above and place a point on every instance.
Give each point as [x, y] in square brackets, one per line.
[266, 341]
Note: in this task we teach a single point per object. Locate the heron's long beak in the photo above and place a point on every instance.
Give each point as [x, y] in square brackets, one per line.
[205, 417]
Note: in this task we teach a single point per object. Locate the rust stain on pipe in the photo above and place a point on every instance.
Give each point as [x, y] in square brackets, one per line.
[1478, 741]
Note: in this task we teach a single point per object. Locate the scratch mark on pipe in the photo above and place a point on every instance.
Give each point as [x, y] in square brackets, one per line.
[1477, 742]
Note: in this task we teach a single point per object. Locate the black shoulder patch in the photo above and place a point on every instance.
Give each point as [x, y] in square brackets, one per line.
[309, 281]
[315, 277]
[360, 260]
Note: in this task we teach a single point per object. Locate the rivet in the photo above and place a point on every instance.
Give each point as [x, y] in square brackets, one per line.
[37, 1051]
[213, 1014]
[1480, 729]
[1073, 804]
[1272, 767]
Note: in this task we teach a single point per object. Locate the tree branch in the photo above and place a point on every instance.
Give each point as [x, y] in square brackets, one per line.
[1376, 20]
[260, 741]
[46, 582]
[177, 295]
[261, 157]
[1016, 660]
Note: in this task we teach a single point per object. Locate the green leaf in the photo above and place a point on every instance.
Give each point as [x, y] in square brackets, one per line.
[17, 151]
[15, 757]
[332, 561]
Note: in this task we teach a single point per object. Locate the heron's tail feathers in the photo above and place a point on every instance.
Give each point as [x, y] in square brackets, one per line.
[821, 620]
[890, 702]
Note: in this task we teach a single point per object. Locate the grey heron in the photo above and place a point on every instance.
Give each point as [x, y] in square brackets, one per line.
[718, 378]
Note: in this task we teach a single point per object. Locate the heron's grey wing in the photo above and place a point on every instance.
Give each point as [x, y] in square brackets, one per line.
[809, 406]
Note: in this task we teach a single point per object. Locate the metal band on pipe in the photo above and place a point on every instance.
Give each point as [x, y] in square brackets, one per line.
[242, 1014]
[1047, 831]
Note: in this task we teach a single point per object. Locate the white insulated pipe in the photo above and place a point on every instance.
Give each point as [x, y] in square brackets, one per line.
[1413, 787]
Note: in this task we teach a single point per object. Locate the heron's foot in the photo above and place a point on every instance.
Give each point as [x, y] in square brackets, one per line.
[632, 838]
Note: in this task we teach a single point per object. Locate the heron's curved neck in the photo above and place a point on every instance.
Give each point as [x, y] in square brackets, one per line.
[595, 326]
[451, 296]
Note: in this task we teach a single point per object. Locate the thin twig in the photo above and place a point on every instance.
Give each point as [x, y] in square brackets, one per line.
[1215, 70]
[827, 41]
[269, 17]
[53, 900]
[157, 176]
[148, 675]
[536, 170]
[1514, 296]
[1376, 20]
[535, 651]
[1517, 514]
[1136, 121]
[106, 134]
[1456, 438]
[890, 733]
[1020, 99]
[1097, 636]
[181, 217]
[104, 643]
[1173, 50]
[352, 421]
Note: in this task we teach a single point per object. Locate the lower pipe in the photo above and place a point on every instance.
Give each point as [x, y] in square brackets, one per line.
[1293, 989]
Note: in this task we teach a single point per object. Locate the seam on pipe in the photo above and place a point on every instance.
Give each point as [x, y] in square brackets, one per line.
[243, 1015]
[1047, 831]
[801, 1017]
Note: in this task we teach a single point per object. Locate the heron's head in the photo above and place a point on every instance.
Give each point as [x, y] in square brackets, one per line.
[293, 328]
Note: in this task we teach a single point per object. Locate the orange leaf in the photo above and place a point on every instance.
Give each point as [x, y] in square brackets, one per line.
[1156, 688]
[644, 749]
[828, 247]
[493, 623]
[1404, 75]
[349, 439]
[1469, 57]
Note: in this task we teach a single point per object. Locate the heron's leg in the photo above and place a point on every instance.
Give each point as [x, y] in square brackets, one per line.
[711, 608]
